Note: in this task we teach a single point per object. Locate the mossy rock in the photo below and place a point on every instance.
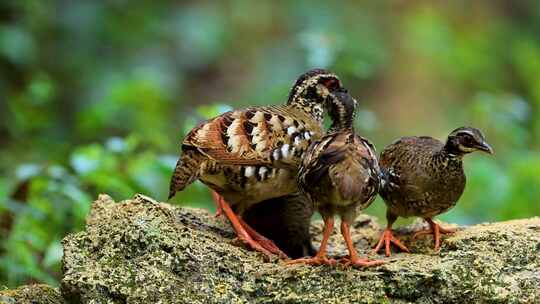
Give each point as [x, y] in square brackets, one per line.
[32, 294]
[142, 251]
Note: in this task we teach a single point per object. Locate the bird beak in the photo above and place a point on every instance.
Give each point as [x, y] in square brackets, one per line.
[484, 146]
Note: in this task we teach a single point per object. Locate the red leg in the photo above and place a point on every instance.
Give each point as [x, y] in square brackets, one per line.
[241, 232]
[218, 200]
[388, 237]
[353, 254]
[436, 230]
[320, 258]
[254, 237]
[262, 240]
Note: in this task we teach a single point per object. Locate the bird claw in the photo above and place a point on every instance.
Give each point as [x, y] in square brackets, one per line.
[360, 262]
[436, 230]
[272, 248]
[388, 238]
[422, 232]
[255, 246]
[313, 261]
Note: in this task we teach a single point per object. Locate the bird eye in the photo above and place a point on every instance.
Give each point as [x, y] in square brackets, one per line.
[332, 84]
[468, 139]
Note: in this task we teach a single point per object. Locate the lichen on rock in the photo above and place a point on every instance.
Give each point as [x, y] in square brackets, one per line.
[142, 251]
[32, 294]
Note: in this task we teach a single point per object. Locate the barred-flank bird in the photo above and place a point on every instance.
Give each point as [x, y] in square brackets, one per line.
[424, 177]
[251, 155]
[340, 175]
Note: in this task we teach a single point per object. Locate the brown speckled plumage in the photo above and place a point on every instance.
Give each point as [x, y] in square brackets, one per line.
[251, 155]
[340, 174]
[424, 177]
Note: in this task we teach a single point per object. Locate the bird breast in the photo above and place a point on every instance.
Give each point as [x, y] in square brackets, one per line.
[244, 186]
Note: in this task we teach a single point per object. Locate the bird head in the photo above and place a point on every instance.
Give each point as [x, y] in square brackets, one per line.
[312, 89]
[465, 140]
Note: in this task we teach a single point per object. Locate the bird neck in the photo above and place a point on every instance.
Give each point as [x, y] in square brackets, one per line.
[342, 119]
[339, 125]
[448, 156]
[451, 149]
[313, 109]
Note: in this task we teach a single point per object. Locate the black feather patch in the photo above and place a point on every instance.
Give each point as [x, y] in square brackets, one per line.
[248, 126]
[227, 121]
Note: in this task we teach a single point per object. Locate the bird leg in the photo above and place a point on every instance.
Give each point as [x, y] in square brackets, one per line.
[436, 230]
[241, 233]
[218, 200]
[262, 240]
[353, 258]
[320, 258]
[388, 237]
[245, 233]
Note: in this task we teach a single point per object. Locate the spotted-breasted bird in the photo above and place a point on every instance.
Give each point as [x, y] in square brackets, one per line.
[252, 155]
[424, 177]
[340, 175]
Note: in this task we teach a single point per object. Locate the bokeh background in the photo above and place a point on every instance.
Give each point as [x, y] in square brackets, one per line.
[95, 96]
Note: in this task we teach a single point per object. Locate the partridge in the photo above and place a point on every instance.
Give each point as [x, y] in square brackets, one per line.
[424, 177]
[340, 175]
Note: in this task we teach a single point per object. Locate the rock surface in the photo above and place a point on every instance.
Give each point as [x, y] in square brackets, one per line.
[32, 294]
[142, 251]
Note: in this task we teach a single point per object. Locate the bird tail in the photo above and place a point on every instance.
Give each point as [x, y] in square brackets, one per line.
[185, 172]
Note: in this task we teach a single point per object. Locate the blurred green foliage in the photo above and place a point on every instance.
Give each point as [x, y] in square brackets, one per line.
[95, 96]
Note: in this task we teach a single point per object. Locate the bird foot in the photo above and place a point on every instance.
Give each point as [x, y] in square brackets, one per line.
[316, 260]
[388, 237]
[422, 232]
[357, 262]
[255, 246]
[436, 230]
[264, 242]
[245, 233]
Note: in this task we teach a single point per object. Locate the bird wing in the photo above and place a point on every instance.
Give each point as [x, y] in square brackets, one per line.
[273, 135]
[320, 156]
[403, 163]
[357, 175]
[347, 159]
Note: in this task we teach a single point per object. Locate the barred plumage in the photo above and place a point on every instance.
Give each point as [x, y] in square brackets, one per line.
[251, 155]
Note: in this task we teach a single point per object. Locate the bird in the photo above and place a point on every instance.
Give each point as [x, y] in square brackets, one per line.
[250, 155]
[340, 175]
[424, 177]
[286, 221]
